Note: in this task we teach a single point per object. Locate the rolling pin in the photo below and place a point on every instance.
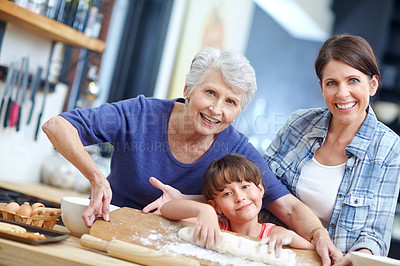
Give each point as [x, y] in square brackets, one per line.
[134, 253]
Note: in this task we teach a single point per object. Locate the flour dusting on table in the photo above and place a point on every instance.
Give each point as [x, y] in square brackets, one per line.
[188, 249]
[173, 245]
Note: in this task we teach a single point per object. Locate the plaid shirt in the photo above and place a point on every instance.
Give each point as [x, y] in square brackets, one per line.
[366, 201]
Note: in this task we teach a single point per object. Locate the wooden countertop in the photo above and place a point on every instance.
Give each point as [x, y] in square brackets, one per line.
[70, 252]
[156, 232]
[67, 252]
[42, 191]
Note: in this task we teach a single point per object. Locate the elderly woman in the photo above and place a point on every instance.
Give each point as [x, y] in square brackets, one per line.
[175, 141]
[340, 160]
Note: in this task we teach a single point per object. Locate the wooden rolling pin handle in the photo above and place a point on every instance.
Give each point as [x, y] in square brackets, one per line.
[135, 253]
[94, 242]
[146, 256]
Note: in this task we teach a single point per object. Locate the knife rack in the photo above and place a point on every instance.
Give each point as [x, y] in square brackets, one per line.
[3, 75]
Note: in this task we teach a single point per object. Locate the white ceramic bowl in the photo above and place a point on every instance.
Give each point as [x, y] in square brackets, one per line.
[72, 209]
[363, 259]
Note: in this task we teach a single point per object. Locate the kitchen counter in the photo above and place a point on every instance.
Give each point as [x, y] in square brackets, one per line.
[66, 252]
[42, 191]
[126, 224]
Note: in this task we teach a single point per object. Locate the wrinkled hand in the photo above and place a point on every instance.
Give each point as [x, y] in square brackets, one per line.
[344, 261]
[279, 236]
[100, 199]
[169, 193]
[326, 250]
[207, 228]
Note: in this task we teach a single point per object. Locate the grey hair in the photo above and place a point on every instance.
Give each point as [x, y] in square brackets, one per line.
[235, 68]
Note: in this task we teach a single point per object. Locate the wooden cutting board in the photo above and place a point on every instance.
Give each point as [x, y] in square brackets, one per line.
[156, 232]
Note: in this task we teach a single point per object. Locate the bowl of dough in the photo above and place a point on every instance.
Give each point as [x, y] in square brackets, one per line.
[72, 209]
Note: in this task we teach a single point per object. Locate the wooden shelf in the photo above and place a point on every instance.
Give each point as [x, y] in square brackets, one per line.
[47, 27]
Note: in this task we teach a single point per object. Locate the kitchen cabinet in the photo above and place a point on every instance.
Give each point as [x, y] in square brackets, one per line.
[47, 27]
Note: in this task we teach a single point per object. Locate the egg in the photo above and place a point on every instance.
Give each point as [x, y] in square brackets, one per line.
[37, 205]
[25, 210]
[12, 207]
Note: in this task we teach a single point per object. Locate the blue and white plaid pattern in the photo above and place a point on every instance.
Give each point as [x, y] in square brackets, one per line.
[367, 197]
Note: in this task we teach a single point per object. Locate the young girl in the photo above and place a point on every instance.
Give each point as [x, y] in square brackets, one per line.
[232, 187]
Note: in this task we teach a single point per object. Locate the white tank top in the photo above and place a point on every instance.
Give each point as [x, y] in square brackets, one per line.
[318, 186]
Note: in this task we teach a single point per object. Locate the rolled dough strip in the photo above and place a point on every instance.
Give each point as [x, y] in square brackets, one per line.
[244, 248]
[7, 227]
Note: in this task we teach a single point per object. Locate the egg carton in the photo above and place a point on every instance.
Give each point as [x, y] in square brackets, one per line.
[41, 217]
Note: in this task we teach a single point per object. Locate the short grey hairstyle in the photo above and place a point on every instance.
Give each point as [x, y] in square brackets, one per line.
[235, 68]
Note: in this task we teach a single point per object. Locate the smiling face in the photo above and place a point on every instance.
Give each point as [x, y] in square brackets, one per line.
[213, 105]
[346, 92]
[240, 201]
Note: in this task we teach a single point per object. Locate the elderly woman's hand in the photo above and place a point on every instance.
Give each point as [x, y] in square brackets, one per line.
[100, 199]
[169, 193]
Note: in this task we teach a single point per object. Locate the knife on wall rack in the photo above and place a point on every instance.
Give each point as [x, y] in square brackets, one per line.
[24, 88]
[15, 114]
[10, 96]
[14, 109]
[46, 90]
[35, 83]
[9, 78]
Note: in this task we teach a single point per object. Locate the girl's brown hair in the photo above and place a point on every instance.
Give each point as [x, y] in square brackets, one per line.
[228, 169]
[352, 50]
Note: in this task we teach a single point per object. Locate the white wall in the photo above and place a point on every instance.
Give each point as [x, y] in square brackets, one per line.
[320, 11]
[22, 156]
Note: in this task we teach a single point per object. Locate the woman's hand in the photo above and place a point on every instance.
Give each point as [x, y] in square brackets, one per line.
[65, 138]
[169, 193]
[325, 248]
[99, 202]
[207, 228]
[346, 260]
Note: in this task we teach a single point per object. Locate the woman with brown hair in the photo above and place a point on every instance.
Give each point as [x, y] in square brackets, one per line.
[340, 160]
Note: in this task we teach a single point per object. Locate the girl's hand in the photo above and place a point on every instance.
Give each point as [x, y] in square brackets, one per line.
[207, 228]
[279, 236]
[169, 193]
